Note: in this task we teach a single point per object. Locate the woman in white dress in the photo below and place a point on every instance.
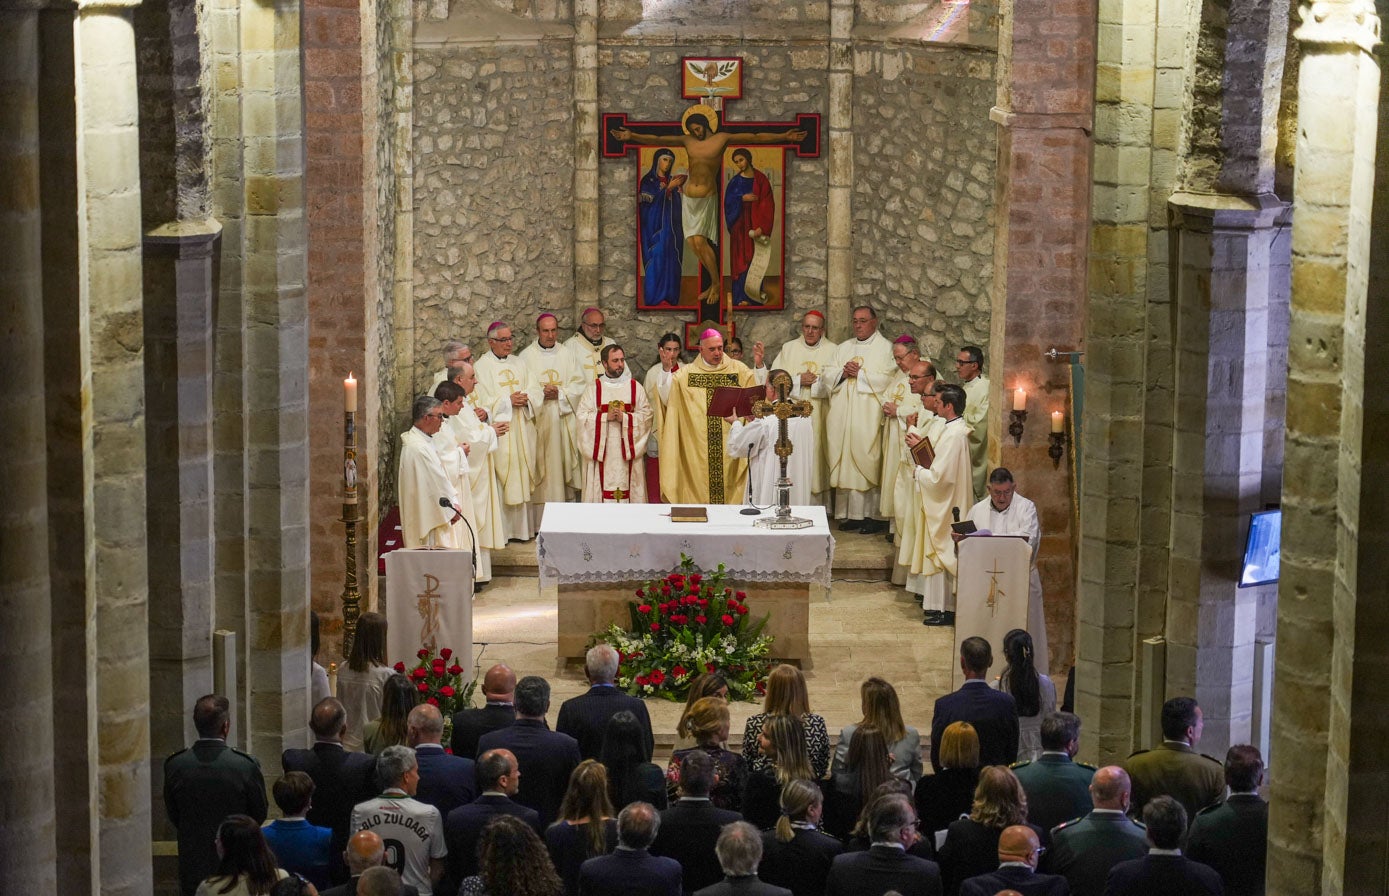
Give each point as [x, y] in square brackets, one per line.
[361, 679]
[1033, 692]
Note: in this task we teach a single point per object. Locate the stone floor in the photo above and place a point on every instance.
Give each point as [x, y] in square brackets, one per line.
[865, 626]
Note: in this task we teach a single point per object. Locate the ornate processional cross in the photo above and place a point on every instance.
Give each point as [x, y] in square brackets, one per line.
[784, 408]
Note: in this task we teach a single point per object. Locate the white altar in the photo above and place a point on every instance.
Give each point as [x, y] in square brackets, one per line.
[991, 594]
[599, 554]
[429, 603]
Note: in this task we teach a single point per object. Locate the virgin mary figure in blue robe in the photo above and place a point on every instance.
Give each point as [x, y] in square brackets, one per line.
[662, 237]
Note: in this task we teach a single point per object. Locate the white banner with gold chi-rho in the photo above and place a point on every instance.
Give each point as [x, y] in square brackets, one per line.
[429, 603]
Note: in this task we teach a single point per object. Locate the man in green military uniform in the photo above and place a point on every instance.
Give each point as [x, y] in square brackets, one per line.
[203, 785]
[1084, 849]
[1233, 837]
[1057, 788]
[1174, 768]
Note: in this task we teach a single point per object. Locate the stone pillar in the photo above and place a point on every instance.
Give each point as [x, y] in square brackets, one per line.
[1326, 831]
[1224, 248]
[586, 211]
[275, 332]
[1044, 120]
[839, 221]
[27, 836]
[180, 288]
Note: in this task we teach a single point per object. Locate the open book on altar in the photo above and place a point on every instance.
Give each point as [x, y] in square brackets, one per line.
[735, 400]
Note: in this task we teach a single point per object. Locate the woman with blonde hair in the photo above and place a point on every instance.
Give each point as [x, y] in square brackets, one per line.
[707, 722]
[949, 793]
[971, 843]
[787, 695]
[782, 743]
[362, 678]
[796, 854]
[587, 824]
[878, 746]
[710, 684]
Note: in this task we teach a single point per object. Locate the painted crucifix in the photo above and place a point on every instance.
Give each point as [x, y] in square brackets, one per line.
[685, 208]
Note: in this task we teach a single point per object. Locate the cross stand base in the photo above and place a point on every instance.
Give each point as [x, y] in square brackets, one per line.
[783, 519]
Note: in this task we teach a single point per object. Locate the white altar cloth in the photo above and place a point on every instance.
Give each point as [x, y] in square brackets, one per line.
[581, 543]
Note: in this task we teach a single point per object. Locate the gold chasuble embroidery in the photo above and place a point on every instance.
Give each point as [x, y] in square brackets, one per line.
[715, 435]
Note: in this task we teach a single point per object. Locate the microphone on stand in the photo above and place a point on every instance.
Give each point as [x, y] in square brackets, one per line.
[445, 502]
[751, 509]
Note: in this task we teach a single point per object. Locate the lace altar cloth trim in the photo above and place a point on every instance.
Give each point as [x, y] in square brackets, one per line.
[584, 543]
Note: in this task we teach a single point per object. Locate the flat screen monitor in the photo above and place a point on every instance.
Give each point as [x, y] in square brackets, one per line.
[1261, 549]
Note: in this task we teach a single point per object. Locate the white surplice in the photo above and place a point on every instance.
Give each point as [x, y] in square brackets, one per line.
[761, 436]
[946, 485]
[422, 481]
[614, 451]
[977, 416]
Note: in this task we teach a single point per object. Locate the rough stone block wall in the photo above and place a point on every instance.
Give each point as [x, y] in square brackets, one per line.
[778, 83]
[332, 36]
[494, 169]
[925, 159]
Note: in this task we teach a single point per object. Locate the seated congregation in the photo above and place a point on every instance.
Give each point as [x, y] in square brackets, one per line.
[511, 807]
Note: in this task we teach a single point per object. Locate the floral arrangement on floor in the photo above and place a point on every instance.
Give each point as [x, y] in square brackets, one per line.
[439, 680]
[687, 624]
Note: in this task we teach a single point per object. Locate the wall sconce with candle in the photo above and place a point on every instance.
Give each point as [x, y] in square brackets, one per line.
[1058, 439]
[1018, 416]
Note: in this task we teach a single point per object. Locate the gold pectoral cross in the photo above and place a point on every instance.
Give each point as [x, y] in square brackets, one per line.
[428, 607]
[995, 592]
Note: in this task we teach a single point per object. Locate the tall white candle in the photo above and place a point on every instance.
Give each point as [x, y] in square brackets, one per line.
[349, 394]
[1019, 400]
[1056, 422]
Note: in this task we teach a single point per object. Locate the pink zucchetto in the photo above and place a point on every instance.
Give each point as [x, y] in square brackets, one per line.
[591, 308]
[545, 315]
[710, 334]
[495, 326]
[904, 339]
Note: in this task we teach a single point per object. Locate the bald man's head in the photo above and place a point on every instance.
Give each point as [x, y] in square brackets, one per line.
[1018, 843]
[424, 725]
[1110, 788]
[364, 850]
[499, 684]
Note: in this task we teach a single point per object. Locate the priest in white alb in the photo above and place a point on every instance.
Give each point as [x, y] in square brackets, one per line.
[657, 383]
[759, 435]
[808, 359]
[944, 487]
[858, 381]
[455, 353]
[924, 423]
[554, 368]
[509, 394]
[422, 481]
[614, 421]
[482, 440]
[696, 465]
[585, 345]
[969, 364]
[899, 404]
[1005, 512]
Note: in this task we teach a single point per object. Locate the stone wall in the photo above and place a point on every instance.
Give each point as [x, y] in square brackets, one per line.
[925, 159]
[778, 83]
[493, 230]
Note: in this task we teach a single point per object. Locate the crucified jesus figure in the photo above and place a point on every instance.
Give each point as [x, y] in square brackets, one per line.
[704, 146]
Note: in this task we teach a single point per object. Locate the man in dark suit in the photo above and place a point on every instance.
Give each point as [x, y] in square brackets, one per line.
[1018, 851]
[498, 776]
[1174, 768]
[1232, 837]
[690, 828]
[446, 782]
[498, 690]
[1057, 788]
[631, 870]
[205, 783]
[993, 714]
[739, 849]
[364, 852]
[585, 717]
[886, 865]
[1084, 849]
[1164, 870]
[546, 757]
[341, 779]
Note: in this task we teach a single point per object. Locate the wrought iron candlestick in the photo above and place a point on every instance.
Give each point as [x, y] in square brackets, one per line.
[783, 408]
[351, 597]
[1016, 419]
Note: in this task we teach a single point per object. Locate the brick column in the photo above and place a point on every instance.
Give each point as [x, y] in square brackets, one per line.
[1043, 194]
[27, 835]
[1326, 830]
